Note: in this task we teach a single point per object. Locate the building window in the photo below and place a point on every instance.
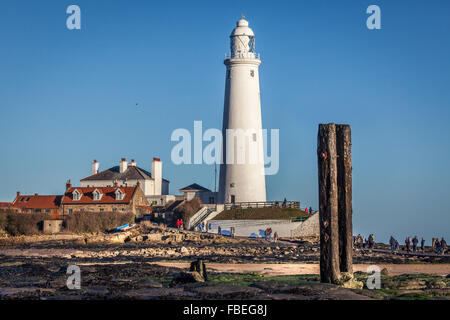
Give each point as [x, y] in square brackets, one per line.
[76, 195]
[119, 195]
[232, 185]
[211, 200]
[97, 195]
[101, 209]
[254, 137]
[252, 73]
[47, 210]
[114, 209]
[70, 210]
[233, 198]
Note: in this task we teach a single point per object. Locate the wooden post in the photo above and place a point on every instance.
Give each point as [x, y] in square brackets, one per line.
[344, 185]
[328, 204]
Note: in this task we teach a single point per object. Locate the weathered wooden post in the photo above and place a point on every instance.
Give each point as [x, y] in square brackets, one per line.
[335, 204]
[344, 182]
[328, 204]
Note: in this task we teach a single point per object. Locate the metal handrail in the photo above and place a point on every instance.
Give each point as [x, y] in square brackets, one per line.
[248, 55]
[263, 204]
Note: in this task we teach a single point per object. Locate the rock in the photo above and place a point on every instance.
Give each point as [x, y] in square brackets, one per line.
[184, 250]
[412, 285]
[349, 282]
[187, 277]
[384, 272]
[439, 284]
[154, 237]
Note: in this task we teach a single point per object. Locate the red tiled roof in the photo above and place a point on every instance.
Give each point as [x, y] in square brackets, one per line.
[5, 204]
[37, 202]
[109, 195]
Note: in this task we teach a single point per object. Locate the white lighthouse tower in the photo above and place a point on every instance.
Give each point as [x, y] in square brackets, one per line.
[242, 176]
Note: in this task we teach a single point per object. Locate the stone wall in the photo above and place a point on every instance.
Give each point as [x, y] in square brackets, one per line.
[52, 226]
[309, 228]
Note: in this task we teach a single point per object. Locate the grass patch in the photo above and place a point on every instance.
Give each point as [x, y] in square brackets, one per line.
[261, 213]
[246, 279]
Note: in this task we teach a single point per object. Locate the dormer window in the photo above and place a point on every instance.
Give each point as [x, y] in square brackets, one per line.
[97, 195]
[76, 195]
[119, 195]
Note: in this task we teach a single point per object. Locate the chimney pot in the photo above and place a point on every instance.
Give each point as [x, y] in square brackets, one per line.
[123, 165]
[36, 194]
[95, 166]
[18, 193]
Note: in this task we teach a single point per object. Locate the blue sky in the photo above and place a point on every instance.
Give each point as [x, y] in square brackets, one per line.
[68, 97]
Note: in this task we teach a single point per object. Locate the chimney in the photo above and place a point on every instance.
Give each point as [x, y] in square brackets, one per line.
[123, 165]
[157, 175]
[18, 193]
[68, 185]
[115, 183]
[35, 194]
[95, 166]
[132, 163]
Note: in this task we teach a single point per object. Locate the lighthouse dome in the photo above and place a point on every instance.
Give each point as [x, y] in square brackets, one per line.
[242, 29]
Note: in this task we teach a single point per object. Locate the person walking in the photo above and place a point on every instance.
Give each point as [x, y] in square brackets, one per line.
[407, 243]
[443, 245]
[392, 243]
[415, 241]
[397, 245]
[219, 230]
[437, 246]
[371, 241]
[422, 245]
[275, 237]
[269, 233]
[310, 210]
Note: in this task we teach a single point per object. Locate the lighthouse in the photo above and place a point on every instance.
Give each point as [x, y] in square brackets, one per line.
[242, 176]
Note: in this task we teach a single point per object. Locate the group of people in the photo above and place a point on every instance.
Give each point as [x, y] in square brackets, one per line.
[268, 235]
[180, 224]
[363, 242]
[439, 246]
[412, 245]
[201, 227]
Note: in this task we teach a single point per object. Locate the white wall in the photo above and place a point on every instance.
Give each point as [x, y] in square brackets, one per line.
[284, 228]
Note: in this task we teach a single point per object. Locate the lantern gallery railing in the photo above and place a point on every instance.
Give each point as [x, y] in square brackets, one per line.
[247, 55]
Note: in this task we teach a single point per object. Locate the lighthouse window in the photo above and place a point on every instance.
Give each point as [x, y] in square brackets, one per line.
[251, 44]
[254, 137]
[252, 73]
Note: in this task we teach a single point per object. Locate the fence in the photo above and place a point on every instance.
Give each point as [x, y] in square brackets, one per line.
[263, 204]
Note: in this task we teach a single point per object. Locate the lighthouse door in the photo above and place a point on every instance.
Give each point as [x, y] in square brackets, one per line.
[233, 198]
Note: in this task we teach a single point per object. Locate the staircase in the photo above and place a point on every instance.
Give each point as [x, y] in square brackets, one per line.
[203, 215]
